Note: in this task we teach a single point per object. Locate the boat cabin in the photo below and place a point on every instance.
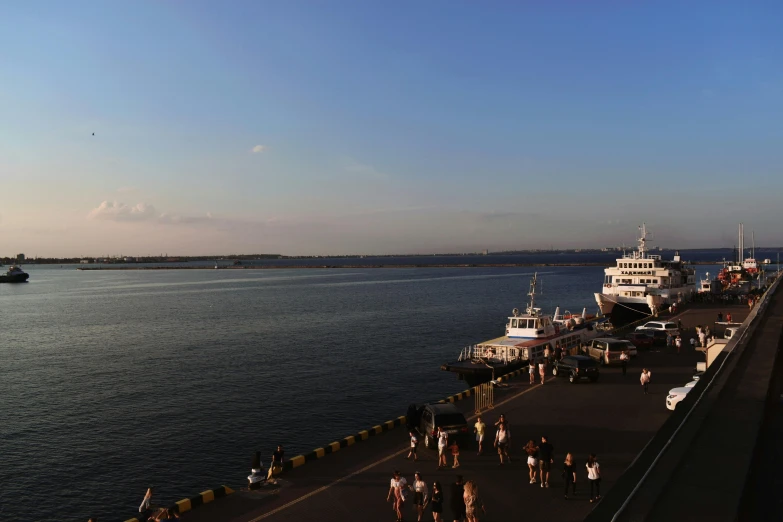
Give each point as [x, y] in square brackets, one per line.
[531, 325]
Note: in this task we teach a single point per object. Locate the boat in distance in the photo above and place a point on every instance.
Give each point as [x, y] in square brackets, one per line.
[642, 284]
[15, 274]
[527, 336]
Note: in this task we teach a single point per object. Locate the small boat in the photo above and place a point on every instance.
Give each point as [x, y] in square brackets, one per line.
[15, 274]
[527, 336]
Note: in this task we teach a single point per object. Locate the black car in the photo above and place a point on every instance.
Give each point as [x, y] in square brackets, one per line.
[576, 367]
[658, 336]
[446, 416]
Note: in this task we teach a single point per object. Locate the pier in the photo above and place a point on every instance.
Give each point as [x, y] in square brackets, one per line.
[612, 418]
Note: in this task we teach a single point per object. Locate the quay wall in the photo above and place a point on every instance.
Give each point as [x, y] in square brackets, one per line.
[640, 488]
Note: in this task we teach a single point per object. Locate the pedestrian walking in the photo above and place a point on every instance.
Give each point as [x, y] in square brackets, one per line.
[678, 343]
[479, 428]
[679, 325]
[720, 317]
[693, 343]
[420, 495]
[531, 367]
[558, 351]
[594, 476]
[398, 491]
[703, 339]
[624, 361]
[437, 502]
[455, 453]
[501, 420]
[545, 460]
[457, 502]
[547, 353]
[414, 447]
[542, 369]
[443, 442]
[502, 439]
[474, 506]
[728, 317]
[645, 380]
[532, 460]
[569, 475]
[669, 339]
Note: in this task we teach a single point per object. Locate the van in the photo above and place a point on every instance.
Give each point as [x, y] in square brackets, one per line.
[606, 350]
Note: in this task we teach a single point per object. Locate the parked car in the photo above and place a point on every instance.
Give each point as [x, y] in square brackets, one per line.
[658, 336]
[446, 416]
[676, 395]
[576, 368]
[641, 340]
[660, 325]
[730, 332]
[630, 347]
[606, 350]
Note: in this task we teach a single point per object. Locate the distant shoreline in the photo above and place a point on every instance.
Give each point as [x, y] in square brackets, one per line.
[313, 267]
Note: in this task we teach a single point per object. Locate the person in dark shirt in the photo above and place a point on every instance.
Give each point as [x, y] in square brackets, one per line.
[569, 474]
[545, 451]
[277, 462]
[457, 500]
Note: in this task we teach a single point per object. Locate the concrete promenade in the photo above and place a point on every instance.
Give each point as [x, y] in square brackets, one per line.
[612, 418]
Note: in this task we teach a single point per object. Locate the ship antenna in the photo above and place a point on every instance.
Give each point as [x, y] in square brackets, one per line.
[532, 294]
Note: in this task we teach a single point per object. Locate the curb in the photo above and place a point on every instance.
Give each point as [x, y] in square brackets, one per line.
[350, 440]
[188, 504]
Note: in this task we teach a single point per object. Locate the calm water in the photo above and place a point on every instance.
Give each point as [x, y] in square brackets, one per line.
[115, 380]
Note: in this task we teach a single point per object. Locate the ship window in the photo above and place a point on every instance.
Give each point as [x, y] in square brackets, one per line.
[513, 323]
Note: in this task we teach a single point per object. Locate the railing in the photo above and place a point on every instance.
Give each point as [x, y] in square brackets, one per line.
[484, 397]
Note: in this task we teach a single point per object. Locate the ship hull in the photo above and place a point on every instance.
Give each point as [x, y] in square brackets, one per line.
[17, 278]
[474, 373]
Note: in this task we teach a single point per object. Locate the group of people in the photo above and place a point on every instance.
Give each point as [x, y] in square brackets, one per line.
[151, 515]
[464, 500]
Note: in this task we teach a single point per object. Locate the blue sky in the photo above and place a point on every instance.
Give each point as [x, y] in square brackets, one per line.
[386, 127]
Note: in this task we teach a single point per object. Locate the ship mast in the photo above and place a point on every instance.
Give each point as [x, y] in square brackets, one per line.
[531, 308]
[643, 241]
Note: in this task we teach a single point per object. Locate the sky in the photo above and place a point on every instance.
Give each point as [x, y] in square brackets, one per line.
[366, 127]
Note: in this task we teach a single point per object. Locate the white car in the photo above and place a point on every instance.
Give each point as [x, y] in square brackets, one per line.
[692, 384]
[675, 396]
[670, 328]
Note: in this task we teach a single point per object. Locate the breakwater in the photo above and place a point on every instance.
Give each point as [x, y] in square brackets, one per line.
[352, 266]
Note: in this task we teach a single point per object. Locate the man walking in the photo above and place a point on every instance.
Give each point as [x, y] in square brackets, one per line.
[624, 361]
[443, 442]
[478, 429]
[645, 380]
[277, 463]
[545, 451]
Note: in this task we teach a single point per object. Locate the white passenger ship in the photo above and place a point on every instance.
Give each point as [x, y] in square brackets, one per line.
[641, 283]
[527, 336]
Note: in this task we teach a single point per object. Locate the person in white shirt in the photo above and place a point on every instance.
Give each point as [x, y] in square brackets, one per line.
[542, 369]
[443, 442]
[594, 476]
[624, 361]
[414, 446]
[502, 440]
[398, 490]
[420, 494]
[645, 380]
[146, 504]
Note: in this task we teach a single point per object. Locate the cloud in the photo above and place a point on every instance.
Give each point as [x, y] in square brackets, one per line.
[114, 211]
[144, 212]
[355, 167]
[258, 149]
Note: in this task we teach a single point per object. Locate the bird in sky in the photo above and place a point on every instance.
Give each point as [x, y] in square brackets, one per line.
[93, 134]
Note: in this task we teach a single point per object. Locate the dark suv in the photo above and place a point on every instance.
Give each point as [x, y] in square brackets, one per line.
[446, 416]
[576, 367]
